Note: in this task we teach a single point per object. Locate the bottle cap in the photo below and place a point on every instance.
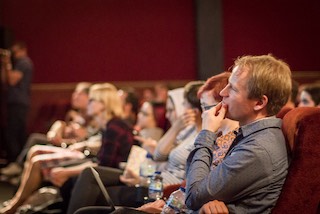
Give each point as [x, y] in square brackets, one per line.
[149, 156]
[182, 189]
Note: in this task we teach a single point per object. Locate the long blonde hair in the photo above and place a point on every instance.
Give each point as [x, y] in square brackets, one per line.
[107, 94]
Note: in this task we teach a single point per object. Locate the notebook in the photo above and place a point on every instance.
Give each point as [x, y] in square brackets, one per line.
[136, 156]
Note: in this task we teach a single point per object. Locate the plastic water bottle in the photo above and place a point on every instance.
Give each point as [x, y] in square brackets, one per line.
[147, 169]
[175, 203]
[156, 186]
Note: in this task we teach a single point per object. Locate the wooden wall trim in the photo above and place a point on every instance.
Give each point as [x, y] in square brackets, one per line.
[119, 84]
[305, 76]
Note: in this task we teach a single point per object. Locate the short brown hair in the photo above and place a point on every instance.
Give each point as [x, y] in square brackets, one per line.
[190, 93]
[267, 76]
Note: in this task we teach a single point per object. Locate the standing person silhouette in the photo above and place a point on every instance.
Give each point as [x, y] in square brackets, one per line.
[17, 78]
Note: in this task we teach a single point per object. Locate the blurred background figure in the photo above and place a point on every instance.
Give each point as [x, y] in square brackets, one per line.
[161, 92]
[158, 93]
[130, 102]
[310, 96]
[151, 122]
[17, 69]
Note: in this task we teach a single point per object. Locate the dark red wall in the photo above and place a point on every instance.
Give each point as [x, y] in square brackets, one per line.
[106, 40]
[288, 29]
[121, 40]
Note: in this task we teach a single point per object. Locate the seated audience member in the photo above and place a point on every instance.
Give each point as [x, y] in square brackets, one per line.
[106, 111]
[209, 97]
[72, 129]
[130, 102]
[173, 147]
[161, 93]
[151, 120]
[251, 176]
[150, 123]
[158, 93]
[174, 110]
[147, 95]
[310, 96]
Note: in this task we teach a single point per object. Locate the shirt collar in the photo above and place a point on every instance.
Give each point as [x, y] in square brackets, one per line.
[260, 124]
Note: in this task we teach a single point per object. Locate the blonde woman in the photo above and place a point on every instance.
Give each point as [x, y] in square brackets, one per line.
[106, 111]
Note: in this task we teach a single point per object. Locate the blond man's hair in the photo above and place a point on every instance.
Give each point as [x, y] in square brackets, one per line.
[107, 94]
[267, 76]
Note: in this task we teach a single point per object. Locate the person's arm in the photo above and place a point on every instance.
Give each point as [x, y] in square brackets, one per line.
[13, 77]
[214, 207]
[152, 207]
[93, 144]
[54, 135]
[147, 143]
[59, 175]
[202, 183]
[167, 142]
[130, 178]
[242, 172]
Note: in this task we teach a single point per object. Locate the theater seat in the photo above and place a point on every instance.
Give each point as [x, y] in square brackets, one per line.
[283, 112]
[301, 191]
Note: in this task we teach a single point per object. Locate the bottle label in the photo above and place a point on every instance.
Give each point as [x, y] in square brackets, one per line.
[155, 190]
[156, 186]
[175, 204]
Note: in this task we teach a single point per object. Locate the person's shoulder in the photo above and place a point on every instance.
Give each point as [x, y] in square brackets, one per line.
[24, 63]
[263, 124]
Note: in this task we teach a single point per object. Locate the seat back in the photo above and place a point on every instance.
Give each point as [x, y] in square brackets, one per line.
[283, 112]
[301, 190]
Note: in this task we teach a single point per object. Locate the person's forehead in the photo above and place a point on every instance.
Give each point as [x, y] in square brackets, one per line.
[238, 75]
[305, 94]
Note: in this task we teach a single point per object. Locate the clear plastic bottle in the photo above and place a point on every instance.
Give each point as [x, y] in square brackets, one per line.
[175, 203]
[156, 186]
[147, 169]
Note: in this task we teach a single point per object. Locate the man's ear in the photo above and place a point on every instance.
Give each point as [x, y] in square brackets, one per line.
[261, 103]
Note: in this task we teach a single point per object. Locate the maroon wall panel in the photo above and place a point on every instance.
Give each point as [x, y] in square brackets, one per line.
[288, 30]
[106, 40]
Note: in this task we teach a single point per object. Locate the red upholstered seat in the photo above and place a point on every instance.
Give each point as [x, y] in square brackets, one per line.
[301, 191]
[283, 112]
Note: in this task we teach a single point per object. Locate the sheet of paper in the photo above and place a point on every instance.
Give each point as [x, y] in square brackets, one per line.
[136, 156]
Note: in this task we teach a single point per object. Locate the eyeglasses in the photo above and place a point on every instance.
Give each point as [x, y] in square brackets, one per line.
[205, 108]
